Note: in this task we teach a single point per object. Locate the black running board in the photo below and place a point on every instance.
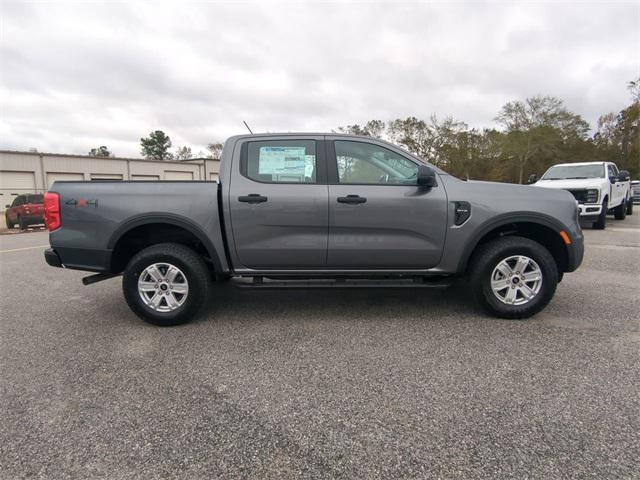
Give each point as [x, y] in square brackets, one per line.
[274, 283]
[98, 277]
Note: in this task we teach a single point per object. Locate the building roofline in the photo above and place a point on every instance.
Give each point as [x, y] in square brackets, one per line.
[48, 154]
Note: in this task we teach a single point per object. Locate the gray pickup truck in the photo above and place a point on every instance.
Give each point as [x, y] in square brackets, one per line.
[315, 211]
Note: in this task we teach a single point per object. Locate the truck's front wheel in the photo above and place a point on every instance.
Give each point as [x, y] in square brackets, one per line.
[601, 223]
[166, 284]
[513, 277]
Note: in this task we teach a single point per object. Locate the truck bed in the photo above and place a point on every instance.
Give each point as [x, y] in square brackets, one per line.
[92, 228]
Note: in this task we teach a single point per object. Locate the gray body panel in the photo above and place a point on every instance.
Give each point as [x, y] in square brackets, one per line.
[287, 231]
[494, 204]
[124, 205]
[397, 227]
[301, 229]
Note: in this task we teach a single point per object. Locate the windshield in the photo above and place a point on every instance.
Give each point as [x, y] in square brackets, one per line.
[561, 172]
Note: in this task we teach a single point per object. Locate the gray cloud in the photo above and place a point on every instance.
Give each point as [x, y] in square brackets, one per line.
[77, 75]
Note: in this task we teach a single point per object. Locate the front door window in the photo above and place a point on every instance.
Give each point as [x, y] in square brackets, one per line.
[362, 163]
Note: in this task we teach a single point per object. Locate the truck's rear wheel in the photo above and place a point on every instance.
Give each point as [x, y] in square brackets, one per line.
[513, 277]
[166, 284]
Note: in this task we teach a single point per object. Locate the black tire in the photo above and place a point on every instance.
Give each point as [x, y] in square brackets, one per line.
[22, 224]
[9, 223]
[601, 223]
[620, 211]
[486, 258]
[630, 206]
[195, 272]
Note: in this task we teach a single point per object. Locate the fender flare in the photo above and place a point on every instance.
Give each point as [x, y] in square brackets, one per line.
[502, 220]
[168, 219]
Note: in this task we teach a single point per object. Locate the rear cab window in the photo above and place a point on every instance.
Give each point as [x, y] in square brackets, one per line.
[35, 199]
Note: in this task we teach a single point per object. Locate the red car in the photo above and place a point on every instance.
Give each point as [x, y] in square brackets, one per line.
[25, 210]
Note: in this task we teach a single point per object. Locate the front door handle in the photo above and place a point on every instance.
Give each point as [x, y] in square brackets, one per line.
[352, 199]
[252, 198]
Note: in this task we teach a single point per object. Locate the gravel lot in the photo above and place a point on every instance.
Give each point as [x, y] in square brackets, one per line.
[317, 384]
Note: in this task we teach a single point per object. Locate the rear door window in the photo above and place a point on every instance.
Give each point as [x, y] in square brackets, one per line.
[281, 161]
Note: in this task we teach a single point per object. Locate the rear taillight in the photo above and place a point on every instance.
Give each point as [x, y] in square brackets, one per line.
[52, 211]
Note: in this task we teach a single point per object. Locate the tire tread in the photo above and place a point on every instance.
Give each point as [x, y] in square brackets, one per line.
[484, 260]
[197, 276]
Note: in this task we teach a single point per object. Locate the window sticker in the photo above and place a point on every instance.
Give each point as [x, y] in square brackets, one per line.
[285, 161]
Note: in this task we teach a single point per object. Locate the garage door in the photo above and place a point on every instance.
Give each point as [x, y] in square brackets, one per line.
[14, 183]
[173, 175]
[145, 177]
[62, 176]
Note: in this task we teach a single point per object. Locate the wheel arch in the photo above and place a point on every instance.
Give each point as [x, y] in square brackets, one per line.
[540, 228]
[137, 233]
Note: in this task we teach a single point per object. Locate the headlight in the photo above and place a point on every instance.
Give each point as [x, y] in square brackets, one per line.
[592, 196]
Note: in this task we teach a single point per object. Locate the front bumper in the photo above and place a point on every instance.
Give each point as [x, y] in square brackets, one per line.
[589, 209]
[575, 253]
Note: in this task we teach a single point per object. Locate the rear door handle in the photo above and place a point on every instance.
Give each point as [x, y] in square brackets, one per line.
[252, 198]
[352, 199]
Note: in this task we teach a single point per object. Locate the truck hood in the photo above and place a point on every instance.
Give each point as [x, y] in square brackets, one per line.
[571, 183]
[508, 191]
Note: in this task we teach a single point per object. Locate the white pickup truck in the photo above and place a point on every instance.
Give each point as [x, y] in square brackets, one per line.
[599, 187]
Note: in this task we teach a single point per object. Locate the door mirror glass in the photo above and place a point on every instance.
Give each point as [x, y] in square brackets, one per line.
[426, 176]
[533, 178]
[613, 178]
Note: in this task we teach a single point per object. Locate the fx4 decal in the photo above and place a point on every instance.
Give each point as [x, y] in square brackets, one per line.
[81, 202]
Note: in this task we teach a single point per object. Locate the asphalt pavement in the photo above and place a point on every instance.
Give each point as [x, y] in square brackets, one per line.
[321, 384]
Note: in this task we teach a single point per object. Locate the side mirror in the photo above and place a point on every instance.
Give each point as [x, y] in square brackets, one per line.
[624, 176]
[426, 176]
[613, 179]
[533, 178]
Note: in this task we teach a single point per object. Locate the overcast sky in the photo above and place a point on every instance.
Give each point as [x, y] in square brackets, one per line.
[77, 75]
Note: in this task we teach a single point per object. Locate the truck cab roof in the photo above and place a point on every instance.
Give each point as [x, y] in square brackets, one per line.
[581, 163]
